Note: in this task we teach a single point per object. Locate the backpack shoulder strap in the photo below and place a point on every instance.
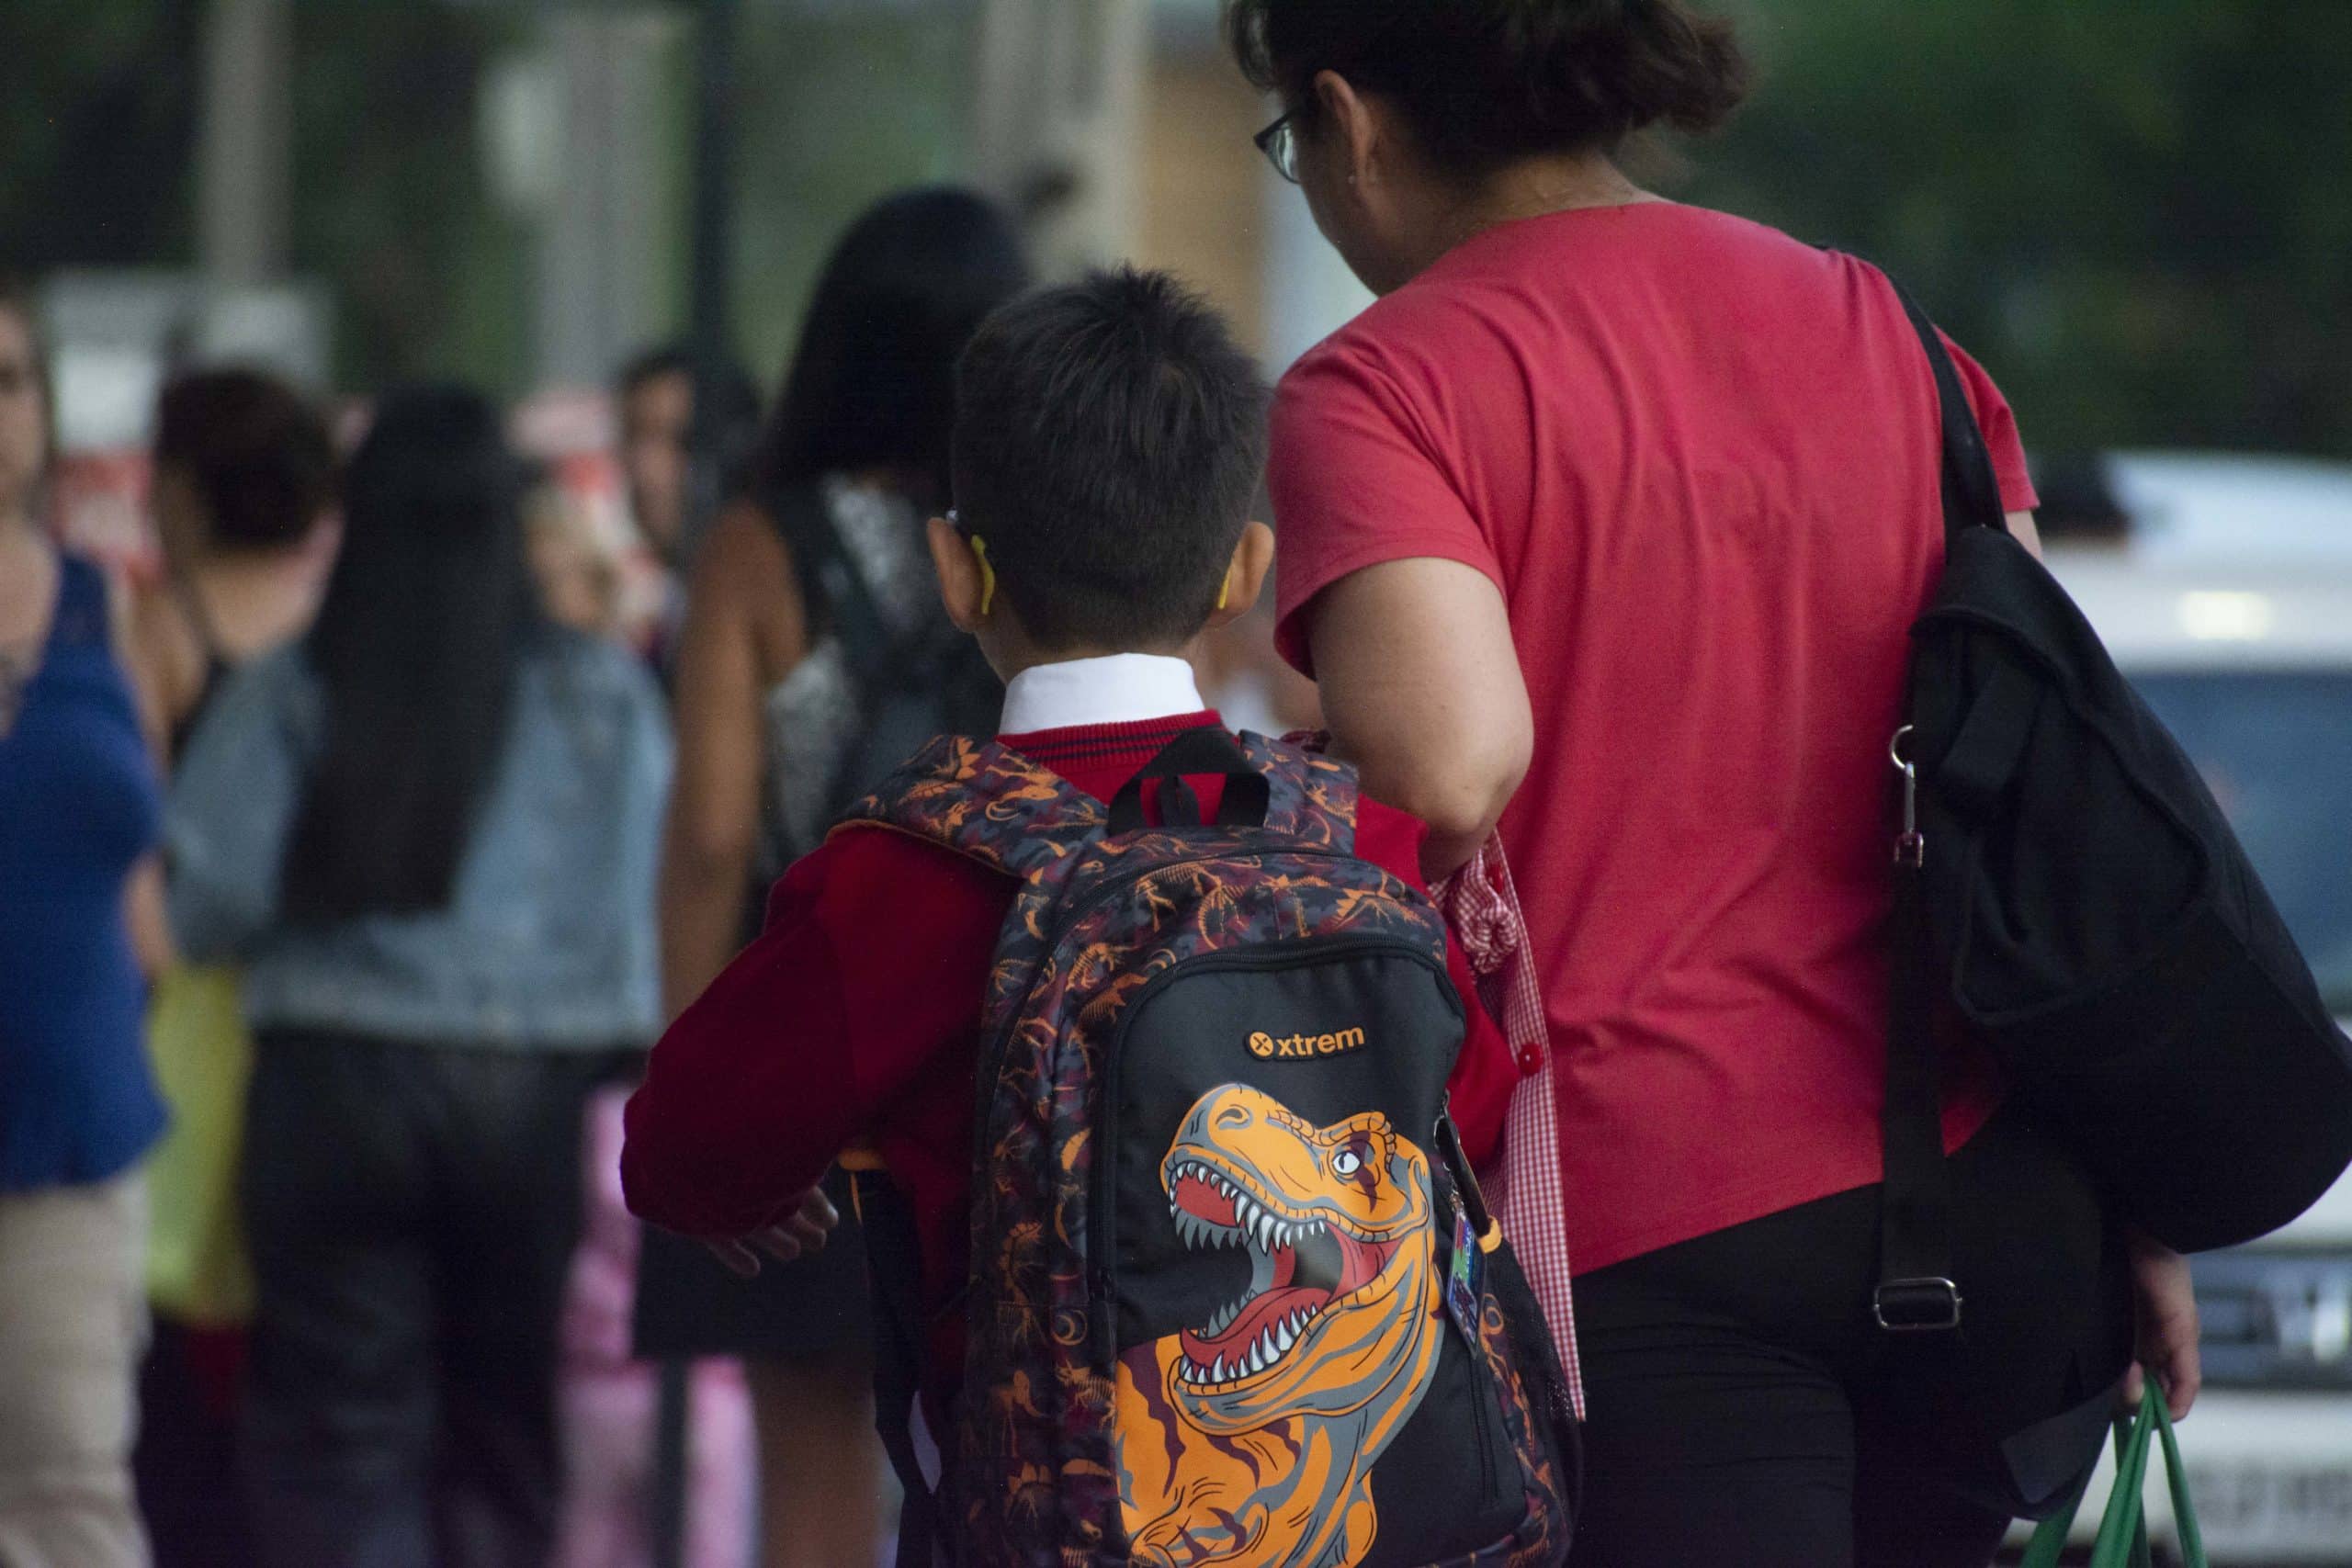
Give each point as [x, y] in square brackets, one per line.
[983, 800]
[1313, 797]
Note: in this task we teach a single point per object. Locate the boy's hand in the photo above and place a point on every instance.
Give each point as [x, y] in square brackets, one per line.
[802, 1231]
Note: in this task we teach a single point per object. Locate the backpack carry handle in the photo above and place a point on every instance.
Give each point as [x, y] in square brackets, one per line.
[1248, 795]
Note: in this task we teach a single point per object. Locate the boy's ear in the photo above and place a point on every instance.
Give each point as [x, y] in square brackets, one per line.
[962, 586]
[1245, 576]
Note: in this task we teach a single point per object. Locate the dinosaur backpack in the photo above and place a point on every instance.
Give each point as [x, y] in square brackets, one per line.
[1234, 1295]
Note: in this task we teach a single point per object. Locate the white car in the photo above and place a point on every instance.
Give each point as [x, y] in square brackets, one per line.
[2241, 640]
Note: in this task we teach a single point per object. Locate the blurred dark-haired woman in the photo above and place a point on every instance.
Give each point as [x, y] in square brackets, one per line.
[429, 830]
[1602, 531]
[78, 1107]
[770, 709]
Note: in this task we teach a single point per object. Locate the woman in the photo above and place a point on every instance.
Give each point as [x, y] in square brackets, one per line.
[1603, 530]
[78, 809]
[244, 473]
[771, 702]
[428, 830]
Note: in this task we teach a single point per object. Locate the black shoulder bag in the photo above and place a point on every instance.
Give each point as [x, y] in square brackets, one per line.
[2067, 886]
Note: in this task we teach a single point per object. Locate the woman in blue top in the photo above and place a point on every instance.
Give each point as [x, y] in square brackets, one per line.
[429, 832]
[77, 1108]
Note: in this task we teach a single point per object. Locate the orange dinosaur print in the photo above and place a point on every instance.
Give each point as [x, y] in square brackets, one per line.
[1251, 1439]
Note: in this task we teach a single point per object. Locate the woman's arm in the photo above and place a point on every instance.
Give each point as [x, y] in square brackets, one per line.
[2021, 525]
[742, 630]
[146, 626]
[1422, 691]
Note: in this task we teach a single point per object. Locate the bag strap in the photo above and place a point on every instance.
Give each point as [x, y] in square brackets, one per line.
[894, 1271]
[831, 580]
[876, 657]
[1916, 1294]
[985, 801]
[1971, 495]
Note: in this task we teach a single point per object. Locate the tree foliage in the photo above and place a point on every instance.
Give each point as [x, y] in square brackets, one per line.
[97, 115]
[2135, 210]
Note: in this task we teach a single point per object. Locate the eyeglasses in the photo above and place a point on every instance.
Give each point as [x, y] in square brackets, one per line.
[1279, 142]
[955, 521]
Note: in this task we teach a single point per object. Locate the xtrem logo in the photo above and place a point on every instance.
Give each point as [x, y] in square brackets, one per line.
[1266, 1046]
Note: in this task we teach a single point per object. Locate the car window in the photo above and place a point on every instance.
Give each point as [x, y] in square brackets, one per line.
[2276, 747]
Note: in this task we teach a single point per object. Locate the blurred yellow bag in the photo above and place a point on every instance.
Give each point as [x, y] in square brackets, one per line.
[197, 1267]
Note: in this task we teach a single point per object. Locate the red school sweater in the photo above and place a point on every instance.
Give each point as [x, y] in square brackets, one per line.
[854, 1017]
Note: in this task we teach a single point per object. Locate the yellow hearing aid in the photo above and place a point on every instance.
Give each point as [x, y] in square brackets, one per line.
[1225, 590]
[987, 575]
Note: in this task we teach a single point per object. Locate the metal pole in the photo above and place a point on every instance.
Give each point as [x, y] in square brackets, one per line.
[710, 331]
[244, 178]
[711, 312]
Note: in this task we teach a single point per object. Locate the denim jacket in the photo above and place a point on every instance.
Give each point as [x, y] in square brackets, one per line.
[547, 943]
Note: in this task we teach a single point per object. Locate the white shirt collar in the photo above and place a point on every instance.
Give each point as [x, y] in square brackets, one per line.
[1123, 688]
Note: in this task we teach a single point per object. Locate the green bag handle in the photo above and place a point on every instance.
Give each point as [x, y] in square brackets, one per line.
[2123, 1530]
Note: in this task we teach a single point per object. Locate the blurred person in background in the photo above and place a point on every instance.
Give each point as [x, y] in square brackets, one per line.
[78, 1107]
[825, 550]
[1603, 531]
[243, 479]
[577, 570]
[608, 1399]
[655, 392]
[429, 829]
[672, 489]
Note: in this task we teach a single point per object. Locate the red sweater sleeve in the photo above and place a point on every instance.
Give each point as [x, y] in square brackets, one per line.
[1484, 1074]
[869, 971]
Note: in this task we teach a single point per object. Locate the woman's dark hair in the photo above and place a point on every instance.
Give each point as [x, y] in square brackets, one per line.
[417, 645]
[1484, 83]
[258, 455]
[872, 384]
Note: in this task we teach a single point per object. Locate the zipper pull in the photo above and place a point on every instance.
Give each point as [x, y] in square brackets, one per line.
[1911, 845]
[1456, 1160]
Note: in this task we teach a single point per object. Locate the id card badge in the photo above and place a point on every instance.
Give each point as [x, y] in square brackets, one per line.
[1461, 1276]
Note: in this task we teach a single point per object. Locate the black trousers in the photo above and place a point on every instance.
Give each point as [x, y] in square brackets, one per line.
[412, 1211]
[1745, 1409]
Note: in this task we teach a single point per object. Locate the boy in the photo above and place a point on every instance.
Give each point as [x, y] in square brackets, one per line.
[1108, 440]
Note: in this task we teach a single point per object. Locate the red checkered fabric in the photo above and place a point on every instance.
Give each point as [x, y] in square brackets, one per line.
[1482, 906]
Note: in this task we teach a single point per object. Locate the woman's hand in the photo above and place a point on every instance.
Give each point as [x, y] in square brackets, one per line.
[2167, 1343]
[802, 1231]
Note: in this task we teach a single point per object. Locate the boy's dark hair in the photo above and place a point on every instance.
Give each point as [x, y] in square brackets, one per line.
[1109, 437]
[258, 455]
[1484, 83]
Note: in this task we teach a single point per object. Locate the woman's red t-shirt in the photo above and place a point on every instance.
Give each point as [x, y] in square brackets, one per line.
[1700, 460]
